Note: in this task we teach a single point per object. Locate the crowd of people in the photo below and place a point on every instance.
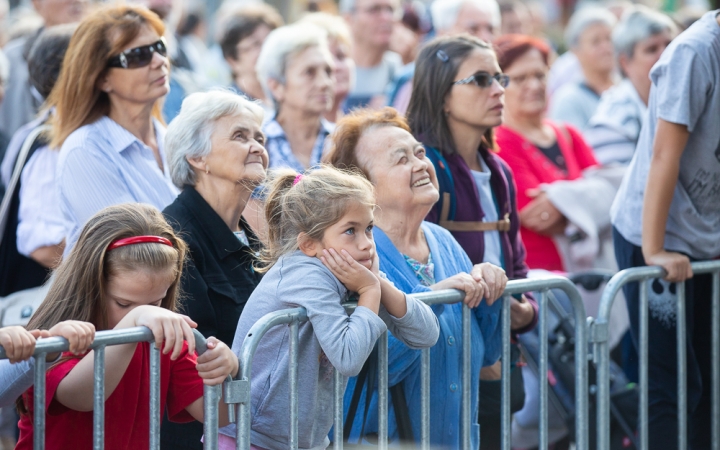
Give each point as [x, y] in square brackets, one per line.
[154, 176]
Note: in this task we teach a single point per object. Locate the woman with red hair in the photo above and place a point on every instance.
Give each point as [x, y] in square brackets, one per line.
[562, 218]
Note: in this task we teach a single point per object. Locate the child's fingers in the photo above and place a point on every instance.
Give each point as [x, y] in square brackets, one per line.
[88, 330]
[178, 333]
[39, 333]
[187, 332]
[26, 348]
[214, 377]
[168, 336]
[191, 323]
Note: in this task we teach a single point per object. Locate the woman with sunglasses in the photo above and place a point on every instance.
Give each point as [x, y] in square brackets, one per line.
[456, 102]
[107, 122]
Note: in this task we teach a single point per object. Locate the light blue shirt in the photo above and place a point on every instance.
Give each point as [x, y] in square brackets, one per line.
[103, 164]
[281, 154]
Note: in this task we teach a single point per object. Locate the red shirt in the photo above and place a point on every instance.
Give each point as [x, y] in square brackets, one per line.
[127, 410]
[531, 168]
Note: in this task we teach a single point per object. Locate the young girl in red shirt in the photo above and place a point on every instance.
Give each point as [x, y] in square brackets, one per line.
[123, 272]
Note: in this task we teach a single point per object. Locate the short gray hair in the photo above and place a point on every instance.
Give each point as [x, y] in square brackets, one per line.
[444, 13]
[638, 24]
[189, 134]
[282, 44]
[582, 19]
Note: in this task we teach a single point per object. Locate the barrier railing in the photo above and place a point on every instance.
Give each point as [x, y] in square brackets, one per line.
[601, 352]
[104, 339]
[238, 391]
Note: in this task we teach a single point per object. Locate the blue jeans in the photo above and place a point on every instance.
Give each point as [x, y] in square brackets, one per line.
[662, 352]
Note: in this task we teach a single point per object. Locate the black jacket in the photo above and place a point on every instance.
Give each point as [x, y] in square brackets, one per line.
[217, 280]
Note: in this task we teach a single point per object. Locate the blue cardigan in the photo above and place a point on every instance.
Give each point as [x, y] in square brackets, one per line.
[445, 357]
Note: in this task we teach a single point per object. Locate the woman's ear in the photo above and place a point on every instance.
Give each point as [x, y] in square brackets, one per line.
[277, 89]
[103, 84]
[197, 163]
[308, 245]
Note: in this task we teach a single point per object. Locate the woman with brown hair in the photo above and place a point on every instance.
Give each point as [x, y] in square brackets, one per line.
[108, 124]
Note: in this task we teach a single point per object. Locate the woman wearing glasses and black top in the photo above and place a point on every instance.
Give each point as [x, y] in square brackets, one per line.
[457, 101]
[107, 122]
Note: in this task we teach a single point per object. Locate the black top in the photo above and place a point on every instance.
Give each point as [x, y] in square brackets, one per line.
[218, 277]
[554, 154]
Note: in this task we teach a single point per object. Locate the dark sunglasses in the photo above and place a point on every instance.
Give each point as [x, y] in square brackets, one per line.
[485, 79]
[138, 56]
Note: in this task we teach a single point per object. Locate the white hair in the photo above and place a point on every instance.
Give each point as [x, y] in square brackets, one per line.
[444, 13]
[282, 44]
[584, 18]
[638, 24]
[189, 134]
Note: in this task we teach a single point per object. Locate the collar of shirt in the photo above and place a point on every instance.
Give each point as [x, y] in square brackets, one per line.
[121, 139]
[221, 238]
[278, 147]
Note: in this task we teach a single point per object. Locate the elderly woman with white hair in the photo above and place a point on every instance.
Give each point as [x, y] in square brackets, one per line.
[295, 68]
[588, 36]
[216, 155]
[639, 38]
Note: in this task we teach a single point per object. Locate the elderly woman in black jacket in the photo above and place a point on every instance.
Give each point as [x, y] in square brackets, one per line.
[216, 155]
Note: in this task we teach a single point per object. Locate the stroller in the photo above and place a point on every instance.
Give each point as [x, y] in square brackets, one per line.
[561, 376]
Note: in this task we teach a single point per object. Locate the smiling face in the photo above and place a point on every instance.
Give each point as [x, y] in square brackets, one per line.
[352, 233]
[126, 291]
[404, 178]
[309, 83]
[525, 95]
[469, 105]
[143, 85]
[238, 155]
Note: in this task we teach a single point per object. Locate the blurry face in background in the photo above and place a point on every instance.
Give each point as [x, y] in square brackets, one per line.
[405, 42]
[309, 83]
[595, 49]
[516, 21]
[645, 54]
[247, 52]
[58, 12]
[475, 22]
[372, 21]
[162, 8]
[525, 95]
[344, 68]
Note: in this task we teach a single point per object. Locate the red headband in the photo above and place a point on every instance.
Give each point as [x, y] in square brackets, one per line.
[139, 240]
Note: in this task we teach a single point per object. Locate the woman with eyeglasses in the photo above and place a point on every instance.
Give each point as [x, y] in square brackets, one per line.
[540, 152]
[107, 122]
[456, 103]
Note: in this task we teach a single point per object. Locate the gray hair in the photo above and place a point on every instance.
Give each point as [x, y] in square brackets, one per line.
[282, 44]
[444, 13]
[638, 24]
[189, 134]
[582, 19]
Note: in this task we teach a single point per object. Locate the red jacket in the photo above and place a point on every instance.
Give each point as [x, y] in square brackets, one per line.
[531, 169]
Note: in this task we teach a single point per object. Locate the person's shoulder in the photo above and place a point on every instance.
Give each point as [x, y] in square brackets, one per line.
[618, 105]
[443, 236]
[86, 138]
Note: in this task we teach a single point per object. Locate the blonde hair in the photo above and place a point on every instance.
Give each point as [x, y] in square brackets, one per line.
[335, 26]
[80, 284]
[318, 200]
[105, 33]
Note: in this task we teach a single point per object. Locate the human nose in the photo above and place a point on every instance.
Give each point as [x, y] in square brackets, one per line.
[158, 60]
[365, 242]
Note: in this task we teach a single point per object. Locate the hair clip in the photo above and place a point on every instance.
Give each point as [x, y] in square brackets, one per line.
[297, 179]
[442, 56]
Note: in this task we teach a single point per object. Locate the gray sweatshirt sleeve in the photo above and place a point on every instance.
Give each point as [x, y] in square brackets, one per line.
[346, 340]
[14, 380]
[418, 328]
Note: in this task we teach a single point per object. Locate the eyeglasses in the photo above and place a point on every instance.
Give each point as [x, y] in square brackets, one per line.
[138, 56]
[485, 79]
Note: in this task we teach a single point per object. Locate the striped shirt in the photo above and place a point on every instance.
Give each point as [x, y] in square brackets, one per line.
[281, 155]
[103, 164]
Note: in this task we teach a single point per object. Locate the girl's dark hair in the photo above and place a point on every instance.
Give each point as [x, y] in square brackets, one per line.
[46, 57]
[435, 70]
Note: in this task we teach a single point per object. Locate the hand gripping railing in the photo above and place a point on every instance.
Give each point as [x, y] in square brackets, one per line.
[102, 340]
[601, 352]
[238, 391]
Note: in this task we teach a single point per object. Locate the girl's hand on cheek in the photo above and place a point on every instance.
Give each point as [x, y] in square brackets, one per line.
[216, 363]
[169, 328]
[355, 276]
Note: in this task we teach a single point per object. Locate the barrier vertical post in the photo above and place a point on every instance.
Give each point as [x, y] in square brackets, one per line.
[155, 397]
[382, 391]
[542, 323]
[338, 410]
[425, 399]
[39, 403]
[643, 285]
[716, 361]
[293, 379]
[99, 399]
[466, 401]
[681, 365]
[505, 404]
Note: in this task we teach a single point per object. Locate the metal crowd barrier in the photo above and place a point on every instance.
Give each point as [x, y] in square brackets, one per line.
[238, 391]
[599, 338]
[102, 340]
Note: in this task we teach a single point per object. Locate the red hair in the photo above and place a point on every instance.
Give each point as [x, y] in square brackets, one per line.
[510, 47]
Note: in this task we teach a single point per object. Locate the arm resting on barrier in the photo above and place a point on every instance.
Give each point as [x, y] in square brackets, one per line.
[75, 391]
[670, 141]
